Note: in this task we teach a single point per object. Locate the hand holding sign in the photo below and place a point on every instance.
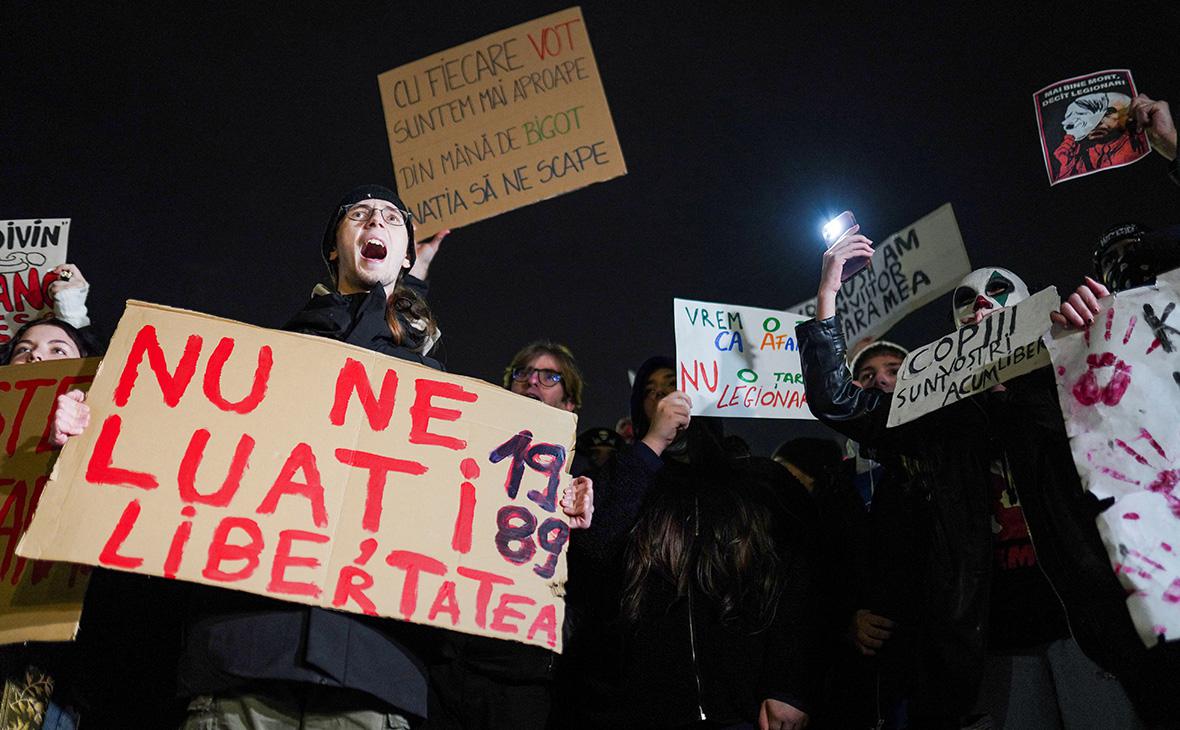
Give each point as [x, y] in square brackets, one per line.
[1117, 386]
[312, 471]
[39, 601]
[1155, 118]
[424, 253]
[71, 417]
[577, 501]
[1082, 305]
[69, 276]
[506, 120]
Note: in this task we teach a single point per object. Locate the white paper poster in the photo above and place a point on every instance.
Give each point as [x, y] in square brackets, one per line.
[1119, 387]
[737, 361]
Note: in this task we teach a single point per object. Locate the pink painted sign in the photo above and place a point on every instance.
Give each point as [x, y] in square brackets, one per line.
[1119, 387]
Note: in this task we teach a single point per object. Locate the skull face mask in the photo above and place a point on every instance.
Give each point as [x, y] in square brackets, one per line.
[1088, 114]
[986, 290]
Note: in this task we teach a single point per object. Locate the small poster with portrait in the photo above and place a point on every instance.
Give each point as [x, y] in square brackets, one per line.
[1083, 123]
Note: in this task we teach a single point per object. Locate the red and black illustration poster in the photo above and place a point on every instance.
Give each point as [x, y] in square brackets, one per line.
[1083, 125]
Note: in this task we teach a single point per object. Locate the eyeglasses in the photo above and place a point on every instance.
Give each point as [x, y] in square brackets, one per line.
[363, 213]
[547, 378]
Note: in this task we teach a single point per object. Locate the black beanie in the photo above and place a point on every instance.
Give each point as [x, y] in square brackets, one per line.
[356, 195]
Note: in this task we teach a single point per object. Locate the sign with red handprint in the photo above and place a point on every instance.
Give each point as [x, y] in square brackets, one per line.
[1119, 386]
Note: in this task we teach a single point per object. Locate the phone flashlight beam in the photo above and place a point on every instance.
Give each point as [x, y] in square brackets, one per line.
[835, 231]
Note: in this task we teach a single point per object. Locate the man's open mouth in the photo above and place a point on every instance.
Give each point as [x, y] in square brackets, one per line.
[373, 249]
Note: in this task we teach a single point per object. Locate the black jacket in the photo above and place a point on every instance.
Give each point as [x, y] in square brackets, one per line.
[681, 659]
[235, 640]
[1024, 427]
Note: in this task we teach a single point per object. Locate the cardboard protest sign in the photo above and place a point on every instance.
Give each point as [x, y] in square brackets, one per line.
[1006, 344]
[909, 269]
[515, 117]
[1119, 386]
[39, 601]
[29, 250]
[1083, 125]
[739, 361]
[307, 470]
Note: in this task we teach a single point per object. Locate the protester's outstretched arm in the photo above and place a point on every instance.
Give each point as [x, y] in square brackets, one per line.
[627, 482]
[850, 247]
[69, 292]
[1155, 118]
[424, 253]
[832, 395]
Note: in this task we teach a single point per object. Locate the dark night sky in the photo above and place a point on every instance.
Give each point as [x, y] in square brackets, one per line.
[199, 156]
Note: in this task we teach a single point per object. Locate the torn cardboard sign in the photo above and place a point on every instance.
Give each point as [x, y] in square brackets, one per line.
[39, 600]
[312, 471]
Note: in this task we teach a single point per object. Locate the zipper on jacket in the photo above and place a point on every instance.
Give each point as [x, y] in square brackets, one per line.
[1028, 528]
[1033, 543]
[692, 635]
[880, 715]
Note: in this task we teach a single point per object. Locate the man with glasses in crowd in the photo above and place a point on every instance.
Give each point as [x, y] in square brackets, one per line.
[546, 371]
[481, 683]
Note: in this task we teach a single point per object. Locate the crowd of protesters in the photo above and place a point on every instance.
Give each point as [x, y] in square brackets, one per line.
[866, 582]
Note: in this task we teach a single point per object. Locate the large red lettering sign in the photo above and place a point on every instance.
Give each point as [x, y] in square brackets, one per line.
[310, 471]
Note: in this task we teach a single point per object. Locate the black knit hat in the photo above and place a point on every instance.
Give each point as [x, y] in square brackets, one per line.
[1132, 255]
[1108, 261]
[356, 195]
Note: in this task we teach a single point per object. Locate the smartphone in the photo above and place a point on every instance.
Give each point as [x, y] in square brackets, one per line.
[834, 231]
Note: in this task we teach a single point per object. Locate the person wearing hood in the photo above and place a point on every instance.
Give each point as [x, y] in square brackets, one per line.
[1003, 472]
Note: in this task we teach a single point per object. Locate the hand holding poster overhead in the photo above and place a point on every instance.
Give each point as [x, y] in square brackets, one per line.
[909, 269]
[1118, 382]
[1083, 125]
[739, 361]
[974, 358]
[515, 117]
[29, 251]
[311, 471]
[39, 601]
